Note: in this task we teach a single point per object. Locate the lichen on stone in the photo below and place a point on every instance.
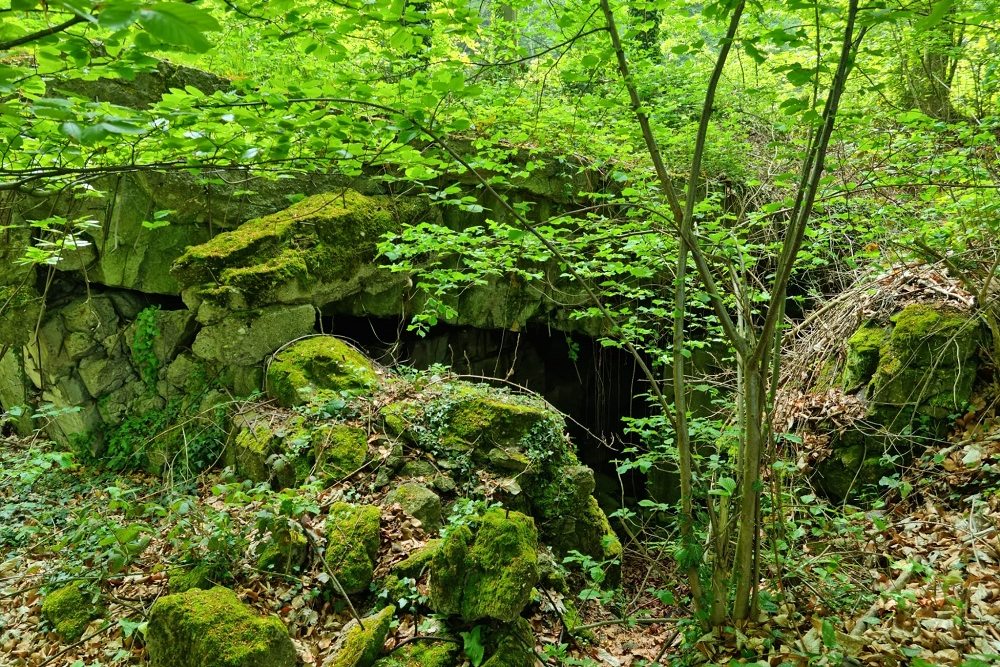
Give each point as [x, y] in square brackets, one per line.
[486, 569]
[212, 628]
[352, 533]
[319, 363]
[70, 610]
[360, 646]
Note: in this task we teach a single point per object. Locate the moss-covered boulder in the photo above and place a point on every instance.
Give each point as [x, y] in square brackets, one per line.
[862, 356]
[183, 579]
[320, 363]
[419, 502]
[403, 420]
[319, 250]
[339, 450]
[571, 517]
[915, 373]
[481, 421]
[271, 446]
[284, 552]
[352, 533]
[486, 569]
[251, 447]
[70, 609]
[511, 645]
[360, 646]
[927, 362]
[424, 653]
[214, 629]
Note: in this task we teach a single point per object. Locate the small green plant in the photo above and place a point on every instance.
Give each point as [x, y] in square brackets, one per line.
[472, 643]
[143, 342]
[464, 511]
[594, 572]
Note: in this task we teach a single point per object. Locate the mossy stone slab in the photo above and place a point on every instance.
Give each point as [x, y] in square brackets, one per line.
[214, 629]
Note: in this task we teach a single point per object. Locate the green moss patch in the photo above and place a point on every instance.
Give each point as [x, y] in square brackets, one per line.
[486, 569]
[863, 349]
[320, 363]
[352, 533]
[339, 450]
[424, 653]
[70, 610]
[324, 238]
[360, 646]
[183, 579]
[214, 629]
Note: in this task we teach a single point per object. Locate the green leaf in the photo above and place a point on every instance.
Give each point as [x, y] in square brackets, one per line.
[71, 130]
[118, 15]
[727, 486]
[941, 9]
[829, 634]
[178, 24]
[474, 649]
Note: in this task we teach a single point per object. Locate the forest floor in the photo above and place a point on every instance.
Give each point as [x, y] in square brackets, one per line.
[61, 521]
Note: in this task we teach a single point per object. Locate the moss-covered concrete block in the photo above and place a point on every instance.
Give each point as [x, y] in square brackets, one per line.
[352, 533]
[486, 569]
[69, 610]
[419, 502]
[214, 629]
[339, 450]
[320, 363]
[360, 646]
[423, 653]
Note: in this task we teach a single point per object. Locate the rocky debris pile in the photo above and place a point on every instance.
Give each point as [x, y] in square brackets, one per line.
[490, 470]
